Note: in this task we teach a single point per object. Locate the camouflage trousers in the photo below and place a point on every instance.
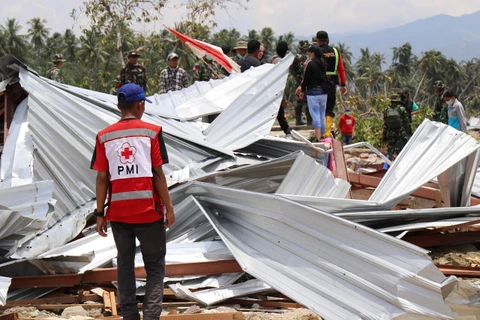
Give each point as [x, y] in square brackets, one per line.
[395, 145]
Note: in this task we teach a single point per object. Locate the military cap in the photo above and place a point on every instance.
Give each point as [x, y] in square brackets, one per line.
[58, 58]
[439, 84]
[133, 53]
[241, 45]
[303, 44]
[395, 97]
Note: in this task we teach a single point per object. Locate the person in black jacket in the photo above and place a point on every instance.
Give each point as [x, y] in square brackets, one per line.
[314, 85]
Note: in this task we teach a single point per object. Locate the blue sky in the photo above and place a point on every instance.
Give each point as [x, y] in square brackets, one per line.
[303, 17]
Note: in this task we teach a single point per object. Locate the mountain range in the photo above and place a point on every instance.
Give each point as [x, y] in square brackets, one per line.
[455, 37]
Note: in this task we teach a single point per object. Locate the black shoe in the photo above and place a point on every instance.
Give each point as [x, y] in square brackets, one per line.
[299, 123]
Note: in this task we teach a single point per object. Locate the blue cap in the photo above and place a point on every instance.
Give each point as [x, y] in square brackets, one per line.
[347, 109]
[131, 92]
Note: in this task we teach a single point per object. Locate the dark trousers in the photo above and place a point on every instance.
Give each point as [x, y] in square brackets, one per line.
[282, 121]
[301, 105]
[347, 139]
[153, 246]
[331, 101]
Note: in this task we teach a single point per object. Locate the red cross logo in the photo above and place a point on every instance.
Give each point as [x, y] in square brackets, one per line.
[126, 153]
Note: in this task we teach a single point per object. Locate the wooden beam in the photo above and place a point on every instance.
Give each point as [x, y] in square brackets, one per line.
[467, 272]
[443, 239]
[50, 300]
[10, 316]
[340, 164]
[110, 274]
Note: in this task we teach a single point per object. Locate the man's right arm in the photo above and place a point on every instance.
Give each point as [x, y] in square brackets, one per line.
[160, 185]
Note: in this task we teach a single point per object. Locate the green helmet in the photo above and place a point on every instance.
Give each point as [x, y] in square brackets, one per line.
[395, 97]
[58, 58]
[303, 44]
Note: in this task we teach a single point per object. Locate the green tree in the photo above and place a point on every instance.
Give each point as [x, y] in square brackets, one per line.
[14, 42]
[267, 37]
[38, 33]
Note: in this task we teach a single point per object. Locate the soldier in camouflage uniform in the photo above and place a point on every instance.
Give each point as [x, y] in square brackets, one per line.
[202, 72]
[134, 72]
[440, 110]
[296, 70]
[396, 126]
[55, 73]
[116, 85]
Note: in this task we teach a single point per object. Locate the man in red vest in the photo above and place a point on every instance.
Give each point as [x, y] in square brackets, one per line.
[347, 125]
[128, 157]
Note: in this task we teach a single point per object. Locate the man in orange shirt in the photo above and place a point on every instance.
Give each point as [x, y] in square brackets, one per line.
[129, 156]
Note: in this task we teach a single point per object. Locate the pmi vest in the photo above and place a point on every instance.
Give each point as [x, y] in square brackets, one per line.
[128, 149]
[330, 55]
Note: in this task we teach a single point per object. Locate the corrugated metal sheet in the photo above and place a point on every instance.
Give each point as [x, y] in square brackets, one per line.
[307, 177]
[433, 224]
[433, 148]
[4, 285]
[210, 297]
[476, 184]
[4, 84]
[251, 115]
[337, 268]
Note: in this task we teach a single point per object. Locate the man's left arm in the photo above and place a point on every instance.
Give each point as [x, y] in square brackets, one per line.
[160, 185]
[184, 79]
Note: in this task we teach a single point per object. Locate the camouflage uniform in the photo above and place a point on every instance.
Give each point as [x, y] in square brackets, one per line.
[116, 85]
[440, 110]
[55, 73]
[297, 70]
[134, 74]
[396, 138]
[201, 72]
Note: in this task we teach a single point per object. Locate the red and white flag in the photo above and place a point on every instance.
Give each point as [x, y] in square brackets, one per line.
[201, 49]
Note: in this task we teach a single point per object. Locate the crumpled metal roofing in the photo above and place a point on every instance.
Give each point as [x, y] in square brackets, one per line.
[307, 177]
[339, 269]
[433, 148]
[210, 297]
[433, 224]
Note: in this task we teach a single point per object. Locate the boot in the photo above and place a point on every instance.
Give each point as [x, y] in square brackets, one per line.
[329, 120]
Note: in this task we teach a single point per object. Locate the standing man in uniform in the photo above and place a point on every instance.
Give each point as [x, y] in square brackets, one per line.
[396, 126]
[128, 158]
[172, 78]
[297, 70]
[134, 72]
[56, 73]
[335, 74]
[440, 110]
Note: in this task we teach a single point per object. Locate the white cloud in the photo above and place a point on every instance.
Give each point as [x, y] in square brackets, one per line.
[303, 17]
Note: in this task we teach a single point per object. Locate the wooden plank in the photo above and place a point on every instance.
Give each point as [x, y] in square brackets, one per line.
[50, 300]
[107, 275]
[340, 163]
[113, 301]
[10, 316]
[443, 239]
[466, 272]
[107, 303]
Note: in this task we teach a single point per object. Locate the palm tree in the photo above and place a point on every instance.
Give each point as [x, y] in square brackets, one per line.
[38, 33]
[267, 37]
[430, 64]
[91, 52]
[253, 35]
[70, 44]
[14, 43]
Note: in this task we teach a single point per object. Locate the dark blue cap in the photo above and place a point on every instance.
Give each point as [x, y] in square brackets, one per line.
[131, 92]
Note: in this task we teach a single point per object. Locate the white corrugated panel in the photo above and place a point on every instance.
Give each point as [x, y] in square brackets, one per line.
[4, 285]
[339, 269]
[433, 148]
[307, 177]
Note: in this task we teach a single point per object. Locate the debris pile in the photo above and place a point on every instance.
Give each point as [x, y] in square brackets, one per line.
[262, 224]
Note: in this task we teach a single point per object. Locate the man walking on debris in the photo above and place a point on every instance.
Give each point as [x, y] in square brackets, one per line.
[128, 157]
[440, 110]
[396, 126]
[134, 72]
[335, 74]
[56, 73]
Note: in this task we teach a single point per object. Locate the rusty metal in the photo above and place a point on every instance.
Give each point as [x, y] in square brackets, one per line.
[466, 272]
[340, 164]
[110, 274]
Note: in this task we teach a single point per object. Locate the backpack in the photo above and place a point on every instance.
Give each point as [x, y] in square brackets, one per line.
[393, 119]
